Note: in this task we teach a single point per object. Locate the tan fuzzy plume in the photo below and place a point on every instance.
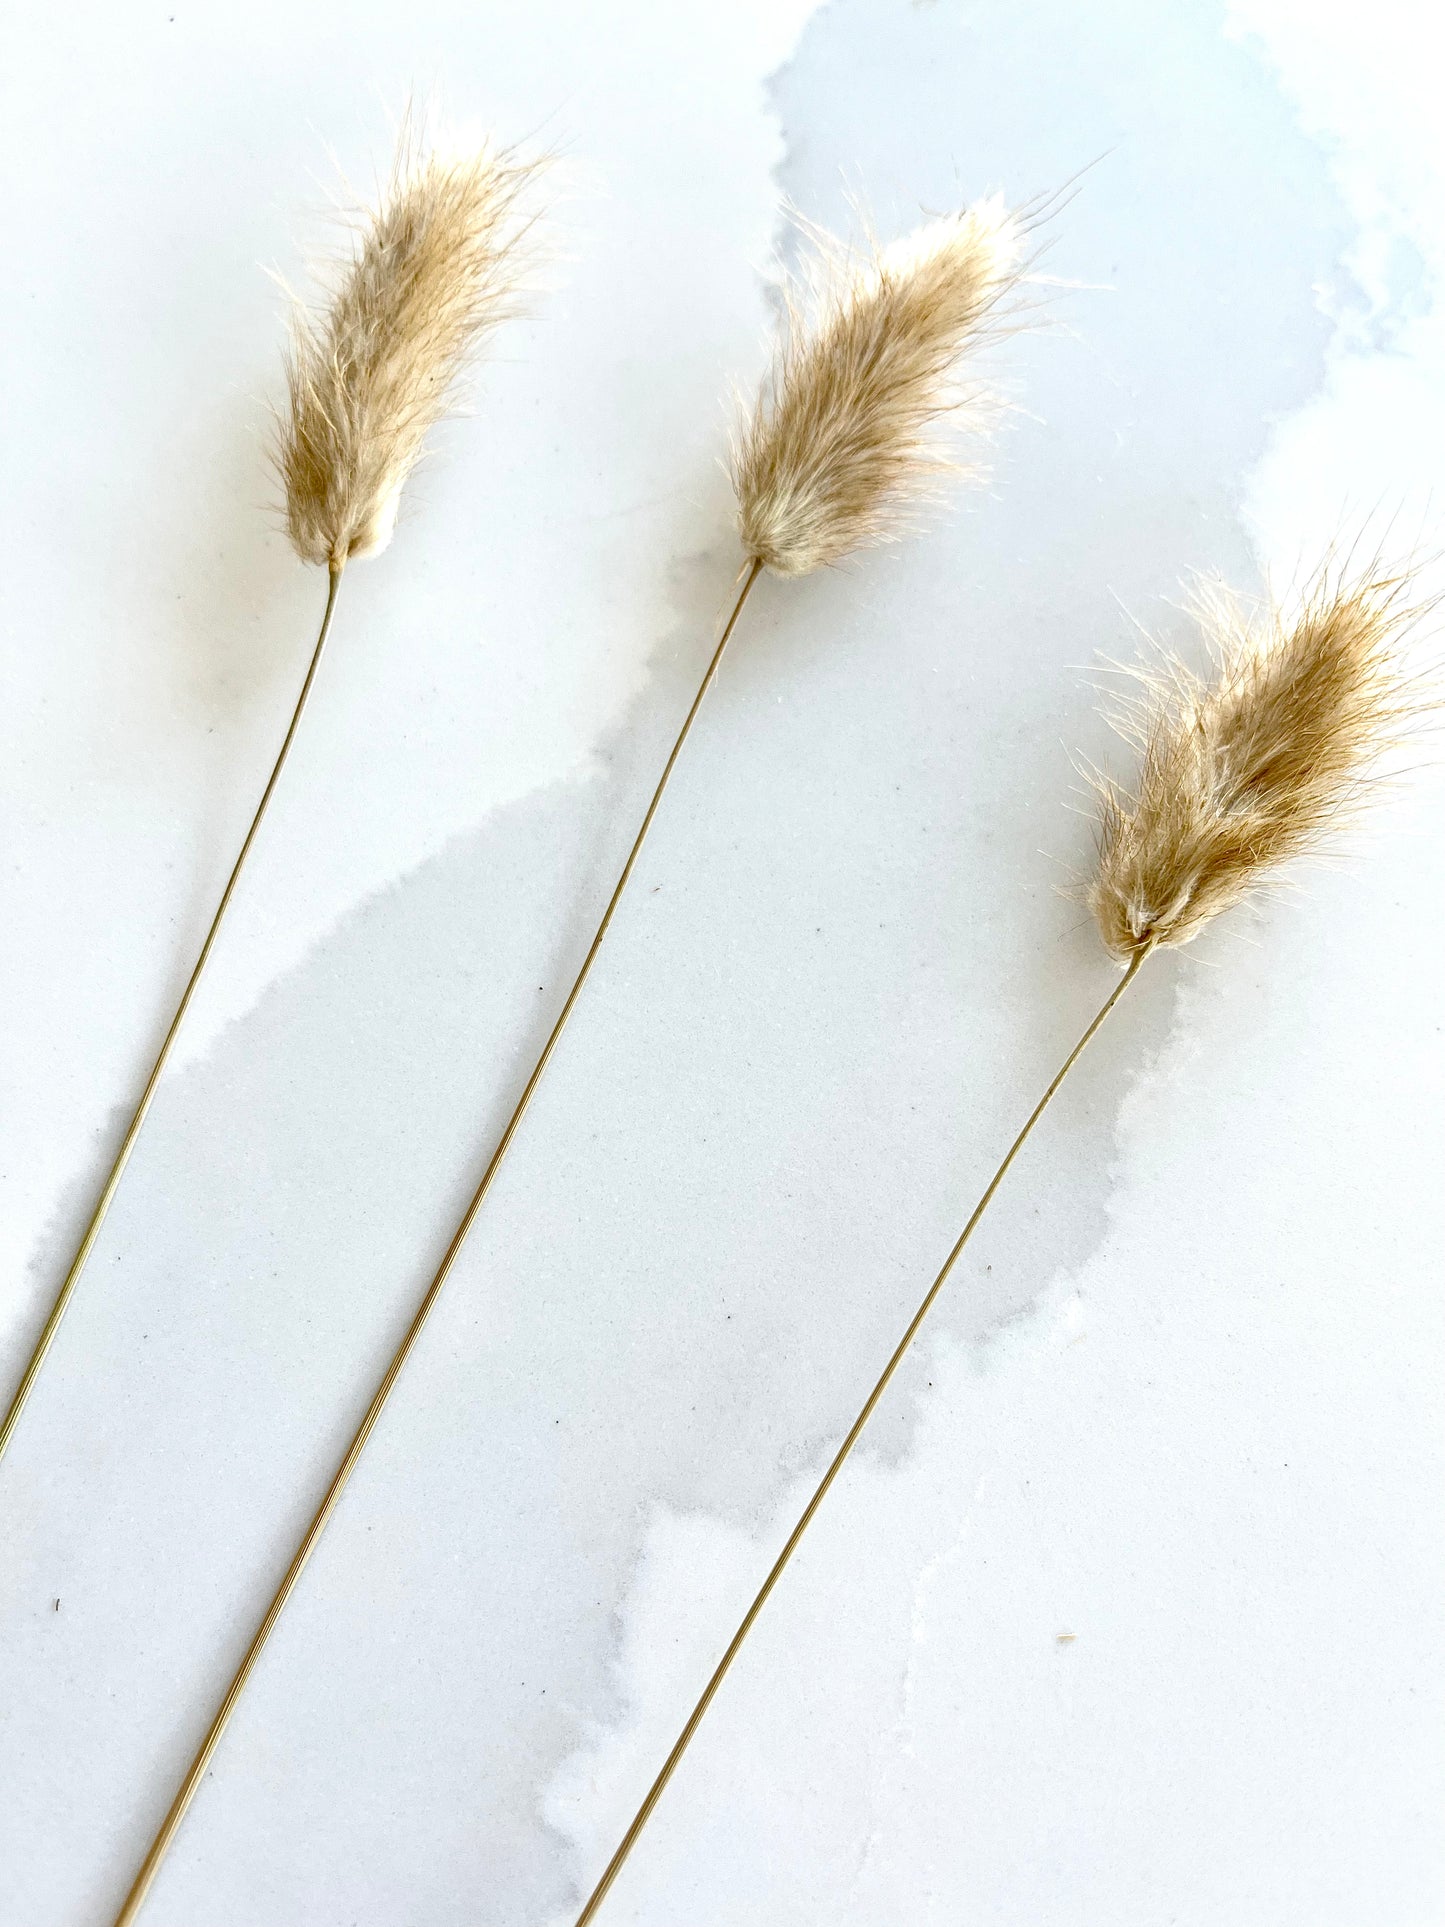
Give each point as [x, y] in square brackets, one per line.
[1240, 773]
[434, 269]
[840, 439]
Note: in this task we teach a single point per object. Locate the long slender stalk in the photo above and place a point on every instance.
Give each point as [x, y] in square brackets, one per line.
[160, 1846]
[709, 1692]
[133, 1130]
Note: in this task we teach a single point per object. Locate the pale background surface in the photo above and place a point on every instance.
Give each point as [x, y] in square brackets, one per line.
[1184, 1398]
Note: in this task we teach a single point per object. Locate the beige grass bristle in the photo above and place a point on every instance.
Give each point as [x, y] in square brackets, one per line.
[1242, 772]
[435, 267]
[841, 439]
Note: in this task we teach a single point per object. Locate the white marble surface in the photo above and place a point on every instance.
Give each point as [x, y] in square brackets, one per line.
[1183, 1400]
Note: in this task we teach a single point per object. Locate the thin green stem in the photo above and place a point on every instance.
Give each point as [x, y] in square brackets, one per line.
[160, 1846]
[133, 1129]
[709, 1692]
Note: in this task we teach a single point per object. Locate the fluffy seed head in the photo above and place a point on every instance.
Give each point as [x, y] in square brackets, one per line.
[1242, 772]
[433, 269]
[840, 439]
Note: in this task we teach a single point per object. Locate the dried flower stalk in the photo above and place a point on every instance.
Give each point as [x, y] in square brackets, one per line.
[1238, 775]
[436, 267]
[833, 451]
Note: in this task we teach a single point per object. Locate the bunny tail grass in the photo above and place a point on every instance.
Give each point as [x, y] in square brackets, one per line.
[1253, 768]
[1238, 775]
[133, 1129]
[160, 1846]
[841, 439]
[435, 269]
[840, 1458]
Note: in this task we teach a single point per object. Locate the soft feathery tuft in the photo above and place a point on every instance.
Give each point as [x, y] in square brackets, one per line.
[839, 441]
[434, 269]
[1247, 770]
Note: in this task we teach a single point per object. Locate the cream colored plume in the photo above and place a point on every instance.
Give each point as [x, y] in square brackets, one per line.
[1241, 773]
[841, 439]
[434, 269]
